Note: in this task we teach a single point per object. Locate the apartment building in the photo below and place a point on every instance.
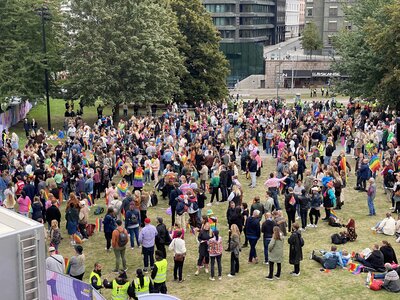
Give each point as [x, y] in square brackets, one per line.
[329, 16]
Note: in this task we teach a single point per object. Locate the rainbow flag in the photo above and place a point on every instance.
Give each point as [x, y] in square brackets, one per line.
[67, 265]
[118, 164]
[122, 188]
[333, 214]
[99, 224]
[30, 207]
[90, 199]
[374, 164]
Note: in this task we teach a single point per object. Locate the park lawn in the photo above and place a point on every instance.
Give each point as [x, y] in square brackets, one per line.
[57, 110]
[250, 282]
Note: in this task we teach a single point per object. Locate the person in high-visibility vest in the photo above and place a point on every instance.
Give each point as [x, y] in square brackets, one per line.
[95, 276]
[159, 273]
[121, 287]
[143, 284]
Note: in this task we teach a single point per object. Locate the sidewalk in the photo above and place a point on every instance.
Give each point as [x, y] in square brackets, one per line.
[288, 42]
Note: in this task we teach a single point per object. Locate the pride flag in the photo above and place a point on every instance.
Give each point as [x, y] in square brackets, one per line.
[90, 199]
[67, 265]
[374, 164]
[122, 188]
[118, 164]
[333, 214]
[99, 224]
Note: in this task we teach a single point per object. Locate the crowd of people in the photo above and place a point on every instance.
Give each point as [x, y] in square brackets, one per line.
[190, 156]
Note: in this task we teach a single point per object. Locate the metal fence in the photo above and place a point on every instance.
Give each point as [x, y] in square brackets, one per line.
[60, 286]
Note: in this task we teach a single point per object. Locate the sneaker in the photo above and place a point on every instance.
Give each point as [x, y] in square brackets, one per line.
[132, 248]
[196, 273]
[145, 270]
[277, 277]
[212, 278]
[295, 274]
[373, 228]
[220, 278]
[84, 240]
[181, 281]
[297, 217]
[310, 225]
[126, 269]
[315, 226]
[265, 263]
[230, 275]
[269, 278]
[209, 204]
[206, 270]
[312, 254]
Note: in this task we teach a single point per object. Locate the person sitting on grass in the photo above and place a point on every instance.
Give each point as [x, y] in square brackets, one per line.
[330, 259]
[387, 226]
[391, 280]
[373, 260]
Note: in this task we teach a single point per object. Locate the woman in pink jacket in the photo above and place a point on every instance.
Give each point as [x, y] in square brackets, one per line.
[24, 204]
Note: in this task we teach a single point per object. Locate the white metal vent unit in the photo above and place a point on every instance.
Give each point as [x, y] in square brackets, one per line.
[23, 257]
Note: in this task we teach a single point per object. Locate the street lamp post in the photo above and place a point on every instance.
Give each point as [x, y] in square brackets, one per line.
[279, 73]
[44, 13]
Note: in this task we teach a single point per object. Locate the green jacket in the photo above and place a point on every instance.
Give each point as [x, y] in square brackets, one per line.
[275, 251]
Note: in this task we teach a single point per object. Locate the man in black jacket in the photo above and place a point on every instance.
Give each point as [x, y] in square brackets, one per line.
[375, 260]
[253, 171]
[267, 228]
[162, 238]
[53, 213]
[172, 201]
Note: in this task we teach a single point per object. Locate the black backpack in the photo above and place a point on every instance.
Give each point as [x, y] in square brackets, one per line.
[99, 210]
[122, 238]
[338, 239]
[180, 208]
[154, 199]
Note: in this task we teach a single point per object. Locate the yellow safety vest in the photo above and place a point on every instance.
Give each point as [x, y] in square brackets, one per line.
[95, 275]
[161, 271]
[144, 289]
[120, 292]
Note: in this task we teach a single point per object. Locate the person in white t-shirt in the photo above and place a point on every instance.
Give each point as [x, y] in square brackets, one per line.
[55, 262]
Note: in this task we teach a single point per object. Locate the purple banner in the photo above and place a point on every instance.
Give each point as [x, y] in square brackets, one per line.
[62, 287]
[13, 115]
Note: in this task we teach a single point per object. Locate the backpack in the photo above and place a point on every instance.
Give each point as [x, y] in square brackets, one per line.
[195, 205]
[122, 238]
[99, 210]
[338, 239]
[154, 199]
[180, 208]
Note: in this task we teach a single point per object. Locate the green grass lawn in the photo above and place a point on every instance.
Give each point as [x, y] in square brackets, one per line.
[250, 282]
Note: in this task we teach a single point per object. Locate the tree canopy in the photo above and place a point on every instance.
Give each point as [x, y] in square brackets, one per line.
[370, 53]
[21, 49]
[206, 65]
[123, 51]
[311, 39]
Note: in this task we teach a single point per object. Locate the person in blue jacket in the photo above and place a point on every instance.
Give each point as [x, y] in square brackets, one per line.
[110, 225]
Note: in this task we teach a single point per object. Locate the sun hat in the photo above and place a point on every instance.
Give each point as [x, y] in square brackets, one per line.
[209, 212]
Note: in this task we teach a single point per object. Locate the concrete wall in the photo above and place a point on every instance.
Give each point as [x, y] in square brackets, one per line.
[252, 82]
[272, 68]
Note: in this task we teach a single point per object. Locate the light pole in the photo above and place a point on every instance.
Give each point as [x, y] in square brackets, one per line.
[279, 73]
[44, 13]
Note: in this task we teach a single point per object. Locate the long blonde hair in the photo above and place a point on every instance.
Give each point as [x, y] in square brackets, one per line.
[235, 230]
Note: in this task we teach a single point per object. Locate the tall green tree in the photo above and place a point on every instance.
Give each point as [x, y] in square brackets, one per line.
[123, 51]
[311, 40]
[21, 49]
[369, 54]
[206, 65]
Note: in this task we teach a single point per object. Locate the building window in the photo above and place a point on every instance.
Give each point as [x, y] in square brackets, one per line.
[227, 34]
[332, 26]
[309, 11]
[310, 1]
[255, 21]
[330, 40]
[347, 25]
[252, 33]
[223, 21]
[333, 11]
[220, 8]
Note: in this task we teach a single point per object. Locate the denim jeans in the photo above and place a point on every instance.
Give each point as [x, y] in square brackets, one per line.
[146, 177]
[134, 233]
[148, 254]
[274, 195]
[266, 243]
[253, 251]
[218, 258]
[327, 160]
[371, 206]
